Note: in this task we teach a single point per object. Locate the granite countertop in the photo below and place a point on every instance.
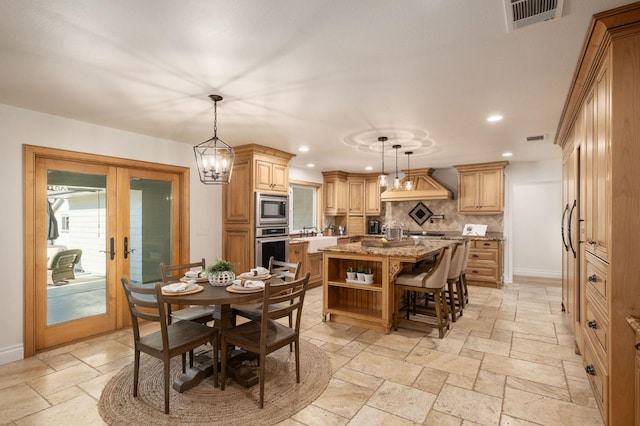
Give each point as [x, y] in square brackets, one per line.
[451, 235]
[634, 322]
[420, 249]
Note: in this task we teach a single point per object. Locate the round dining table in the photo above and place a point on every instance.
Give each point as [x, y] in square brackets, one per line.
[222, 299]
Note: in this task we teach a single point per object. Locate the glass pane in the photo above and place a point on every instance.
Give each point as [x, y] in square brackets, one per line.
[149, 229]
[76, 262]
[303, 202]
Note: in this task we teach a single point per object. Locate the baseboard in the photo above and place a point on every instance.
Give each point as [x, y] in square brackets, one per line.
[537, 273]
[11, 353]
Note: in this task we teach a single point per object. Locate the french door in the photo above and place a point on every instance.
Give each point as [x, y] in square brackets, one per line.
[87, 223]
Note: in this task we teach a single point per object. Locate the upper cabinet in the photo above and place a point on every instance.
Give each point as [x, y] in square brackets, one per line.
[356, 196]
[335, 193]
[481, 188]
[372, 204]
[271, 174]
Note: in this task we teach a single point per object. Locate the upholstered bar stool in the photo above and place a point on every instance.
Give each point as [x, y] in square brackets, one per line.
[463, 276]
[453, 281]
[431, 282]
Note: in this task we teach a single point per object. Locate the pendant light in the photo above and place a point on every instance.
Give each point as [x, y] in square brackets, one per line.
[383, 176]
[396, 181]
[214, 158]
[408, 185]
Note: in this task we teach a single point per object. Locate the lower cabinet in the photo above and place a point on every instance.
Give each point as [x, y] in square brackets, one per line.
[314, 267]
[485, 265]
[298, 253]
[634, 322]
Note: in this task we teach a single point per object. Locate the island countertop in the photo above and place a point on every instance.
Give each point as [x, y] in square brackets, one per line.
[420, 250]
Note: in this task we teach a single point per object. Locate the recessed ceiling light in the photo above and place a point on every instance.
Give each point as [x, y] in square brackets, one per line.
[303, 149]
[311, 165]
[368, 168]
[493, 118]
[507, 154]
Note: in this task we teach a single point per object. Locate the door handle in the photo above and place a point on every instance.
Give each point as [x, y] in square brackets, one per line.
[126, 248]
[564, 214]
[573, 250]
[112, 251]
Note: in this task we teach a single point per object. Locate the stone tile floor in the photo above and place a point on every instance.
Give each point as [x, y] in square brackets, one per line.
[508, 361]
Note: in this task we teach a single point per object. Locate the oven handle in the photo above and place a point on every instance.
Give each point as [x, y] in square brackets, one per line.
[261, 240]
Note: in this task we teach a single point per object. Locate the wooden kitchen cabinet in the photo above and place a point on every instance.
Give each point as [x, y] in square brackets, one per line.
[271, 175]
[485, 265]
[634, 323]
[335, 193]
[601, 120]
[481, 188]
[356, 196]
[298, 253]
[372, 204]
[315, 269]
[256, 168]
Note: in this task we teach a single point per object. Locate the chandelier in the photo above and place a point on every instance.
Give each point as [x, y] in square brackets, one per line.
[383, 175]
[214, 158]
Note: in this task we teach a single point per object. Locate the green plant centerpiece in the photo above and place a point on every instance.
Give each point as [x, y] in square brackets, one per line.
[221, 273]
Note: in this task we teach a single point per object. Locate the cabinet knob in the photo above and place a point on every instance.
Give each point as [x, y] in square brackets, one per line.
[296, 251]
[475, 255]
[591, 242]
[486, 244]
[475, 271]
[593, 278]
[590, 369]
[592, 324]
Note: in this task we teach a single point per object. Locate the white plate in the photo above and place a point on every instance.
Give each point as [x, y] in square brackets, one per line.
[248, 285]
[169, 288]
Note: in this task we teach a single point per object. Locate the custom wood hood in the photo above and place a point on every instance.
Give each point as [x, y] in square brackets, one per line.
[424, 187]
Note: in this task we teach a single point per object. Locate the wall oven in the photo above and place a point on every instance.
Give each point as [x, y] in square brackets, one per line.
[272, 241]
[272, 210]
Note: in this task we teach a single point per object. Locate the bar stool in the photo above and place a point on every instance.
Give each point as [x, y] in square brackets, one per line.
[453, 280]
[463, 275]
[431, 282]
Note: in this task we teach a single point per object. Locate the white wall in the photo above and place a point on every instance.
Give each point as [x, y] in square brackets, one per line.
[18, 127]
[532, 219]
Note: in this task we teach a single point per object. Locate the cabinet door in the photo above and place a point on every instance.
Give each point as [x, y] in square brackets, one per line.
[601, 166]
[298, 253]
[236, 242]
[262, 175]
[372, 203]
[335, 196]
[314, 267]
[279, 177]
[238, 198]
[490, 191]
[468, 191]
[356, 196]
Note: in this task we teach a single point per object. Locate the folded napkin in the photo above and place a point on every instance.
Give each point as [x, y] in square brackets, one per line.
[177, 287]
[191, 274]
[260, 271]
[248, 284]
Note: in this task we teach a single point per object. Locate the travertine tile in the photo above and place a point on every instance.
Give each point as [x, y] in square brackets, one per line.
[527, 370]
[342, 398]
[337, 361]
[395, 341]
[538, 388]
[60, 380]
[80, 411]
[316, 416]
[357, 378]
[383, 351]
[446, 362]
[545, 349]
[490, 383]
[22, 371]
[536, 358]
[369, 416]
[100, 353]
[352, 349]
[437, 418]
[430, 380]
[549, 411]
[402, 401]
[469, 405]
[460, 381]
[487, 345]
[512, 421]
[451, 346]
[386, 368]
[528, 328]
[18, 401]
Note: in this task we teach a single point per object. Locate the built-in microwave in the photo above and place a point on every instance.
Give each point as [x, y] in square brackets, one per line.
[272, 209]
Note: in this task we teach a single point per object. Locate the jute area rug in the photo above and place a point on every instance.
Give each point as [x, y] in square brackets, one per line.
[205, 404]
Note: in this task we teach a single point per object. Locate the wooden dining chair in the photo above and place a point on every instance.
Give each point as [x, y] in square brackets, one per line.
[197, 313]
[265, 334]
[431, 282]
[148, 304]
[287, 271]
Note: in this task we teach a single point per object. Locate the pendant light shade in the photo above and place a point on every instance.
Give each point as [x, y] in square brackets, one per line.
[214, 158]
[408, 185]
[396, 181]
[383, 176]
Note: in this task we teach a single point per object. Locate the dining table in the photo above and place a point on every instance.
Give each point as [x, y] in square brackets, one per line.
[222, 299]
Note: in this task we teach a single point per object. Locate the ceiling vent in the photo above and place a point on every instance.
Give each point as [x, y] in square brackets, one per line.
[536, 138]
[521, 13]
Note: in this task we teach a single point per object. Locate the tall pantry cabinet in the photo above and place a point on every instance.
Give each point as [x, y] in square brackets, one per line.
[600, 124]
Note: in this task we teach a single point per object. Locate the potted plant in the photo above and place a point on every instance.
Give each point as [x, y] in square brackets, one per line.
[368, 276]
[361, 271]
[220, 273]
[351, 273]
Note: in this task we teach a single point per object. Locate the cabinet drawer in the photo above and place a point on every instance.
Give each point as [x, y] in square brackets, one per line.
[597, 278]
[597, 329]
[482, 273]
[486, 244]
[598, 379]
[483, 255]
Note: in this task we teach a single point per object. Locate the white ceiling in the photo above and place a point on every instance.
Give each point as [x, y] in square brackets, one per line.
[330, 75]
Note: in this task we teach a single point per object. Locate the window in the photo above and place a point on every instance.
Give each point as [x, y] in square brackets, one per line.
[302, 207]
[64, 223]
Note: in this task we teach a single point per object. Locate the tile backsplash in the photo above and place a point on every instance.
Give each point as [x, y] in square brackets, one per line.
[398, 211]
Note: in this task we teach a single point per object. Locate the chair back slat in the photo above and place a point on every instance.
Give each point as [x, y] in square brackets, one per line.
[145, 303]
[281, 299]
[286, 270]
[173, 273]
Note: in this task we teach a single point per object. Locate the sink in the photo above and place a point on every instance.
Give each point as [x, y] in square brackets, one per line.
[316, 243]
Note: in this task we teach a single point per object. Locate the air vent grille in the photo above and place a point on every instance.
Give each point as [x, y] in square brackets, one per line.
[535, 138]
[521, 13]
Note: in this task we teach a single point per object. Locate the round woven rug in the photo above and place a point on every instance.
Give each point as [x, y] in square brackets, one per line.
[205, 404]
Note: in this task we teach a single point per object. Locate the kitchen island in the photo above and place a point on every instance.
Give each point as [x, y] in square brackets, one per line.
[368, 305]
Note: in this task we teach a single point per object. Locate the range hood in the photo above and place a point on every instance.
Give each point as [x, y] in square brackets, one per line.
[424, 187]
